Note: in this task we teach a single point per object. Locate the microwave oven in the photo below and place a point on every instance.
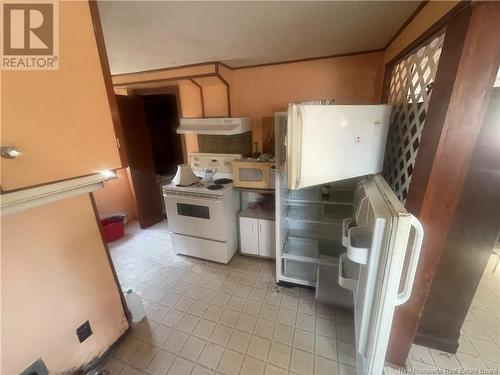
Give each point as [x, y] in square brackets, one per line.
[251, 173]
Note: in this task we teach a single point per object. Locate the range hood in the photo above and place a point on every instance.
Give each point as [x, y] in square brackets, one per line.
[215, 125]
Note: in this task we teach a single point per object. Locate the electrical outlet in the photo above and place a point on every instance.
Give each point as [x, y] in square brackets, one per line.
[36, 368]
[84, 331]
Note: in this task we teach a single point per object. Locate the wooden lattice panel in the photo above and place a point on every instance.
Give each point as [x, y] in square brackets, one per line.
[410, 91]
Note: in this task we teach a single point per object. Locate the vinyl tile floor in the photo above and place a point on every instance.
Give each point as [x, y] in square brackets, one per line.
[205, 318]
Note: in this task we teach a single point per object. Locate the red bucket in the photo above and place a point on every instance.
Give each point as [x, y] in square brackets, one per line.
[113, 227]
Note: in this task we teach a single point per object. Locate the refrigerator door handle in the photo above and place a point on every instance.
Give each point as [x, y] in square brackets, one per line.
[405, 294]
[299, 145]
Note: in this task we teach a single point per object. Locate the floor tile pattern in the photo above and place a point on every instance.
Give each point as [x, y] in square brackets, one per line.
[480, 337]
[207, 318]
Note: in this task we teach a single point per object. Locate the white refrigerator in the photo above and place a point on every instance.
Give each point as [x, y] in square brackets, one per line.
[340, 228]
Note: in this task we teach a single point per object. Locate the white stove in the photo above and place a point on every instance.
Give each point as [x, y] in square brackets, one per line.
[200, 188]
[202, 221]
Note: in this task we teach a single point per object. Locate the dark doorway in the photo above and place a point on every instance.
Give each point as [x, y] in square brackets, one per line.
[146, 192]
[153, 148]
[162, 119]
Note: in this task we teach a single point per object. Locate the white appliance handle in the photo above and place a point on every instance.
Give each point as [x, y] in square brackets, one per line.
[361, 204]
[405, 294]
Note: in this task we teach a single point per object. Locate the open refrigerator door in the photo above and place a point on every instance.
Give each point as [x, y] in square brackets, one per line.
[385, 242]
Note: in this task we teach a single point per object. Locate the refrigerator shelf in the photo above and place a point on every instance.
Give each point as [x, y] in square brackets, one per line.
[308, 214]
[313, 195]
[358, 244]
[315, 235]
[322, 201]
[305, 250]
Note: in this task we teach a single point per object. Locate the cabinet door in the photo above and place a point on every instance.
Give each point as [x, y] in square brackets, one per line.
[249, 236]
[267, 236]
[59, 120]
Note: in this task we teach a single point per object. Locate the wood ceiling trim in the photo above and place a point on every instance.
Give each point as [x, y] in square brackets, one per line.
[201, 97]
[407, 22]
[181, 72]
[219, 63]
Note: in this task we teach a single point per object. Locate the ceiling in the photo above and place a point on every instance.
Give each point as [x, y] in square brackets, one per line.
[145, 35]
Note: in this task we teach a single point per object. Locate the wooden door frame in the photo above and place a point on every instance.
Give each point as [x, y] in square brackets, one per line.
[108, 82]
[464, 77]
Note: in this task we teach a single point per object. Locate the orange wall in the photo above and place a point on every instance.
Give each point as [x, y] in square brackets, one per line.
[56, 276]
[190, 98]
[59, 119]
[261, 91]
[116, 197]
[214, 96]
[215, 100]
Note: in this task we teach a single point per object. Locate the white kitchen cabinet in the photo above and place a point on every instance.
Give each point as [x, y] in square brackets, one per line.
[257, 237]
[249, 236]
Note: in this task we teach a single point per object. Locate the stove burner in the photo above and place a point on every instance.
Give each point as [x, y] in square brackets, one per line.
[223, 181]
[215, 187]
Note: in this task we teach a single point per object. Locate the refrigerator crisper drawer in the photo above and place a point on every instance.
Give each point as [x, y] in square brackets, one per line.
[302, 256]
[328, 289]
[302, 272]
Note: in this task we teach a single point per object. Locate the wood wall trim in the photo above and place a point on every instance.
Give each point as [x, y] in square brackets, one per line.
[228, 90]
[46, 183]
[467, 252]
[201, 97]
[419, 41]
[108, 82]
[407, 22]
[437, 111]
[434, 30]
[339, 55]
[131, 84]
[170, 68]
[461, 123]
[110, 260]
[218, 63]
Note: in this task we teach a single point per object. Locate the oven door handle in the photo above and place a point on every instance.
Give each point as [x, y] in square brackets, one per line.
[201, 197]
